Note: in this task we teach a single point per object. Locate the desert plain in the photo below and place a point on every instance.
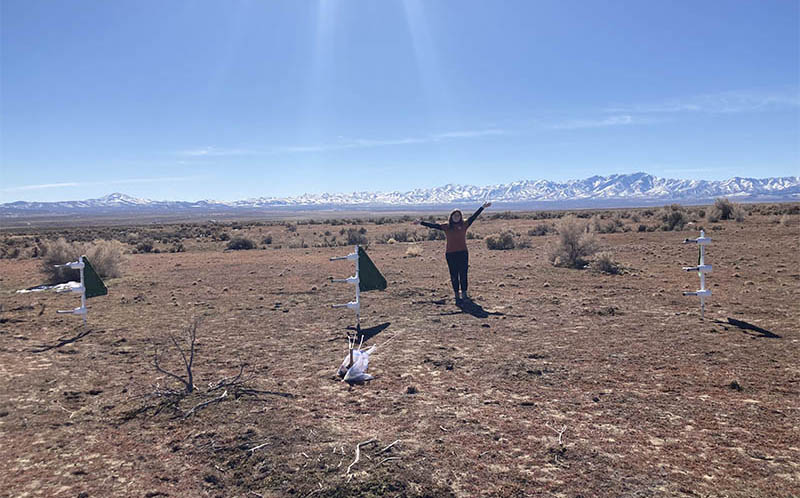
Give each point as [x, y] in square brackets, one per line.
[555, 382]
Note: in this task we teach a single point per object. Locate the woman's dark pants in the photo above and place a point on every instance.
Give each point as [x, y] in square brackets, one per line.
[458, 262]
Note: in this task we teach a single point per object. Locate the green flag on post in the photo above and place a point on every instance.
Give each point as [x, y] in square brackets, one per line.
[369, 276]
[92, 281]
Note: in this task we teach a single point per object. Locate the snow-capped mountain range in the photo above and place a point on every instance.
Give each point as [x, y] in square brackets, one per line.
[623, 189]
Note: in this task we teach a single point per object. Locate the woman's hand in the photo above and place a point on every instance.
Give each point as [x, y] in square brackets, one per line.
[486, 204]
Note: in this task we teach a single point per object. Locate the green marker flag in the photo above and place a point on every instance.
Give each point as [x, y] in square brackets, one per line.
[92, 281]
[369, 276]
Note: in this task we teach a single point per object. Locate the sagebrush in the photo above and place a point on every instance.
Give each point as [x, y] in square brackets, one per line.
[104, 255]
[574, 244]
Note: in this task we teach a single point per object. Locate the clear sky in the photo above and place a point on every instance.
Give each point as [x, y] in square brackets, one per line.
[234, 99]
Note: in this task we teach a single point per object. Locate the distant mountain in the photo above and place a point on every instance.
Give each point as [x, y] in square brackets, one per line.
[614, 190]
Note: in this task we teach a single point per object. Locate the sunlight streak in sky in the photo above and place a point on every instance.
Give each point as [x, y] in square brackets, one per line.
[436, 95]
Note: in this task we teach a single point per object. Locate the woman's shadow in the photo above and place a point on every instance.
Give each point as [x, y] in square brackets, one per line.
[471, 307]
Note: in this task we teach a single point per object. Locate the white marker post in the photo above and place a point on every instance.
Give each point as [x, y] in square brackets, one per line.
[702, 268]
[77, 265]
[353, 305]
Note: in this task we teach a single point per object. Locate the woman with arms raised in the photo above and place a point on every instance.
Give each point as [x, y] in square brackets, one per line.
[456, 251]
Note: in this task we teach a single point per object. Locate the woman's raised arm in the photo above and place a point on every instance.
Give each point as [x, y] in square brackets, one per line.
[478, 213]
[435, 226]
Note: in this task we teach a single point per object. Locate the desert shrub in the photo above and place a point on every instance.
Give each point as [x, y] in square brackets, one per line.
[611, 225]
[785, 220]
[105, 256]
[241, 244]
[414, 250]
[723, 209]
[505, 215]
[399, 236]
[436, 235]
[642, 228]
[501, 241]
[177, 247]
[673, 217]
[604, 263]
[522, 243]
[291, 228]
[574, 244]
[267, 240]
[295, 244]
[9, 252]
[355, 236]
[223, 237]
[144, 246]
[738, 213]
[540, 229]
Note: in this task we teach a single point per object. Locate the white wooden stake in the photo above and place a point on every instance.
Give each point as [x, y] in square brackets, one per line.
[353, 305]
[702, 268]
[77, 265]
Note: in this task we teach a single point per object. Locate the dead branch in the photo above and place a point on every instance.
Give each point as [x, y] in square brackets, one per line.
[204, 404]
[188, 382]
[227, 381]
[387, 459]
[394, 443]
[358, 453]
[560, 433]
[63, 342]
[254, 448]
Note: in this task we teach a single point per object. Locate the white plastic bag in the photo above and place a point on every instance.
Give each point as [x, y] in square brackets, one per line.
[358, 371]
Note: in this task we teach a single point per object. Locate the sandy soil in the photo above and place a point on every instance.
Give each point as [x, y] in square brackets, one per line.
[558, 383]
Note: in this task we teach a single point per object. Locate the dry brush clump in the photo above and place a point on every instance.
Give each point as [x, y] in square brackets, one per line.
[501, 241]
[575, 243]
[604, 263]
[673, 217]
[241, 244]
[414, 250]
[104, 255]
[724, 209]
[402, 235]
[613, 224]
[540, 230]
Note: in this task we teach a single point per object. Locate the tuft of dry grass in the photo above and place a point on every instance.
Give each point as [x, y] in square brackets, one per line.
[414, 251]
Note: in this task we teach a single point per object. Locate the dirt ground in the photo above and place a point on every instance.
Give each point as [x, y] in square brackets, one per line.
[559, 382]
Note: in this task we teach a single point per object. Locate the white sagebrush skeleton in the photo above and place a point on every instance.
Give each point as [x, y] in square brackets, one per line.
[354, 366]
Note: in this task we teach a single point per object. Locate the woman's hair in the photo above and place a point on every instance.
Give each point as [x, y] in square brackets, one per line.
[450, 218]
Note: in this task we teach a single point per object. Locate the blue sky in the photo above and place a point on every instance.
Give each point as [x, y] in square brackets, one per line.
[230, 100]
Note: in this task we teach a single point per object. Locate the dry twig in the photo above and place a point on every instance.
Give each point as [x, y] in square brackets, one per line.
[204, 404]
[187, 362]
[358, 453]
[394, 443]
